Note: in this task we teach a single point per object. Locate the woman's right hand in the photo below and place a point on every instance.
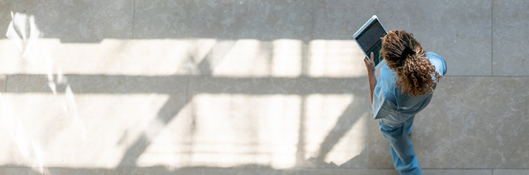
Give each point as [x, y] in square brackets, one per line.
[370, 65]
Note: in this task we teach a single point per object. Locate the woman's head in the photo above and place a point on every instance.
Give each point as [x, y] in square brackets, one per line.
[405, 56]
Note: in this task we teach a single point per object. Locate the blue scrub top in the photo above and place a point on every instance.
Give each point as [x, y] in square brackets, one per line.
[393, 108]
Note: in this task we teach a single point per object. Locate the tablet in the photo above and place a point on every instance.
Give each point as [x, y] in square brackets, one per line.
[368, 38]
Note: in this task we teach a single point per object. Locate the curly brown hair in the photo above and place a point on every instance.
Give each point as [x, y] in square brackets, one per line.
[414, 70]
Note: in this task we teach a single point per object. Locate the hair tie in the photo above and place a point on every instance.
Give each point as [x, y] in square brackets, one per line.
[407, 51]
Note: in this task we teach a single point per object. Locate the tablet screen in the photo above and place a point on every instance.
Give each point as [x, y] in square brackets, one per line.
[369, 40]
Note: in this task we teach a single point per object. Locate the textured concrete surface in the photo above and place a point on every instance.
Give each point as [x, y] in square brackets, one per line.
[250, 87]
[3, 84]
[509, 58]
[79, 21]
[510, 172]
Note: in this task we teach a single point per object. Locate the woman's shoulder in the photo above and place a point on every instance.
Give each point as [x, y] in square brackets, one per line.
[387, 72]
[387, 81]
[438, 62]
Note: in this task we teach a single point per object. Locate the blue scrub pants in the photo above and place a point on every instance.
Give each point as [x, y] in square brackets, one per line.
[402, 152]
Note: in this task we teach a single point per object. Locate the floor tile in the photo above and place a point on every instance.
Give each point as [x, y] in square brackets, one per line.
[172, 19]
[77, 21]
[509, 52]
[272, 20]
[90, 121]
[457, 172]
[62, 36]
[459, 31]
[224, 20]
[3, 82]
[69, 171]
[510, 171]
[5, 17]
[318, 122]
[349, 171]
[470, 123]
[16, 170]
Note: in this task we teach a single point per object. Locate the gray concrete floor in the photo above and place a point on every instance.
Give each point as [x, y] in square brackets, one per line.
[251, 87]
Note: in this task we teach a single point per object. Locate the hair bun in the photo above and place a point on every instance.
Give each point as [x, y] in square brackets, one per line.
[407, 51]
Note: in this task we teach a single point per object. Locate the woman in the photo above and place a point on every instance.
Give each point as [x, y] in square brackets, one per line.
[405, 87]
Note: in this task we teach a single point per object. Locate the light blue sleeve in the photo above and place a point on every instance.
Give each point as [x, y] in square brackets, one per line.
[382, 106]
[438, 62]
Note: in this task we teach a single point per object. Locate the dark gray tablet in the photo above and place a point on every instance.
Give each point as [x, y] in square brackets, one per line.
[368, 38]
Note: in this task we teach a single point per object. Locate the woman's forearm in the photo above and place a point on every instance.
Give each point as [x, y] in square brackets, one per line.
[370, 66]
[372, 84]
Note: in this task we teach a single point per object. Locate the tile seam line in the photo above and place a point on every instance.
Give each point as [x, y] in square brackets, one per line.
[492, 37]
[485, 76]
[286, 169]
[334, 168]
[191, 75]
[133, 19]
[187, 96]
[510, 169]
[457, 168]
[5, 87]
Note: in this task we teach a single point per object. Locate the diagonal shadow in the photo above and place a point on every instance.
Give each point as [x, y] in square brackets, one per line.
[215, 56]
[172, 107]
[344, 123]
[354, 112]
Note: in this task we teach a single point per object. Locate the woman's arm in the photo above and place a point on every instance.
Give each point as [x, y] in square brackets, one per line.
[370, 65]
